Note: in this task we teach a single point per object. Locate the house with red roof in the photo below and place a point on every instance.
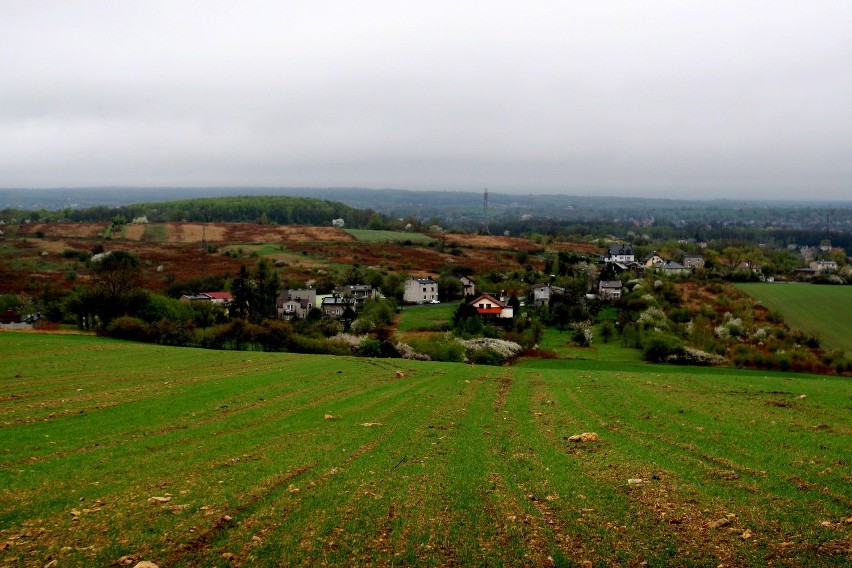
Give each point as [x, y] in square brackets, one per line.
[487, 306]
[215, 297]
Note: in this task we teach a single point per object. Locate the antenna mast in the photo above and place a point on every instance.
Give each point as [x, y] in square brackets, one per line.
[485, 227]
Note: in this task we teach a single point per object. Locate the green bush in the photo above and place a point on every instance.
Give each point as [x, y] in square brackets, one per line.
[319, 346]
[440, 349]
[129, 328]
[484, 356]
[370, 348]
[657, 346]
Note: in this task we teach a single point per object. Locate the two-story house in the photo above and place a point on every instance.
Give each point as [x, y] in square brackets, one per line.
[487, 306]
[359, 293]
[609, 290]
[468, 286]
[692, 261]
[420, 290]
[622, 254]
[296, 303]
[651, 259]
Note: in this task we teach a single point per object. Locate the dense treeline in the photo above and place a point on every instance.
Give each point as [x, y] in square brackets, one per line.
[279, 210]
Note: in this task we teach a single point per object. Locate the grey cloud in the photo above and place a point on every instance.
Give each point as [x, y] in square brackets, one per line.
[659, 98]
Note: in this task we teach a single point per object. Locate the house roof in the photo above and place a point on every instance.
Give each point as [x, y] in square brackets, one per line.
[671, 265]
[355, 287]
[218, 295]
[491, 298]
[649, 256]
[537, 286]
[610, 284]
[621, 250]
[425, 281]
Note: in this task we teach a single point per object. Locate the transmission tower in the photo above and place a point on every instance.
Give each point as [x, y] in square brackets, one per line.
[485, 226]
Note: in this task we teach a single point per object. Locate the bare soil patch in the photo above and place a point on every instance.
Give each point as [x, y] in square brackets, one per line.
[489, 241]
[68, 230]
[134, 232]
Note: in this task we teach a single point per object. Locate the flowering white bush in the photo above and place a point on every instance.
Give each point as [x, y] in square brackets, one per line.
[658, 284]
[689, 327]
[731, 327]
[760, 334]
[505, 349]
[582, 333]
[338, 223]
[353, 341]
[653, 317]
[406, 351]
[649, 298]
[693, 356]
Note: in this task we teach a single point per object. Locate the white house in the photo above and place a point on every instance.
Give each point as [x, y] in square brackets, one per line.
[420, 290]
[620, 253]
[487, 306]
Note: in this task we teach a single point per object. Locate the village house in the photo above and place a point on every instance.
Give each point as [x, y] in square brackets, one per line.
[609, 290]
[468, 286]
[693, 261]
[420, 290]
[651, 259]
[296, 303]
[487, 306]
[823, 265]
[541, 294]
[213, 297]
[671, 268]
[622, 254]
[335, 306]
[359, 293]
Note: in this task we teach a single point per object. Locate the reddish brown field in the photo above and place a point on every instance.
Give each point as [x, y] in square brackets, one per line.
[65, 230]
[38, 260]
[194, 232]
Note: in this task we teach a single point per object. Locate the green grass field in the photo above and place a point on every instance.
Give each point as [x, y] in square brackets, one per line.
[370, 236]
[825, 311]
[116, 452]
[426, 317]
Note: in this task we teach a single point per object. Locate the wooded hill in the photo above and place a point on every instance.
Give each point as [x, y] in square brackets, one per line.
[281, 210]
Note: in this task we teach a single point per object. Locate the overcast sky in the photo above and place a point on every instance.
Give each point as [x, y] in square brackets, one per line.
[678, 99]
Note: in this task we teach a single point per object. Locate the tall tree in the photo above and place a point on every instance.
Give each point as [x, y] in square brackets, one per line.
[116, 285]
[267, 285]
[242, 290]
